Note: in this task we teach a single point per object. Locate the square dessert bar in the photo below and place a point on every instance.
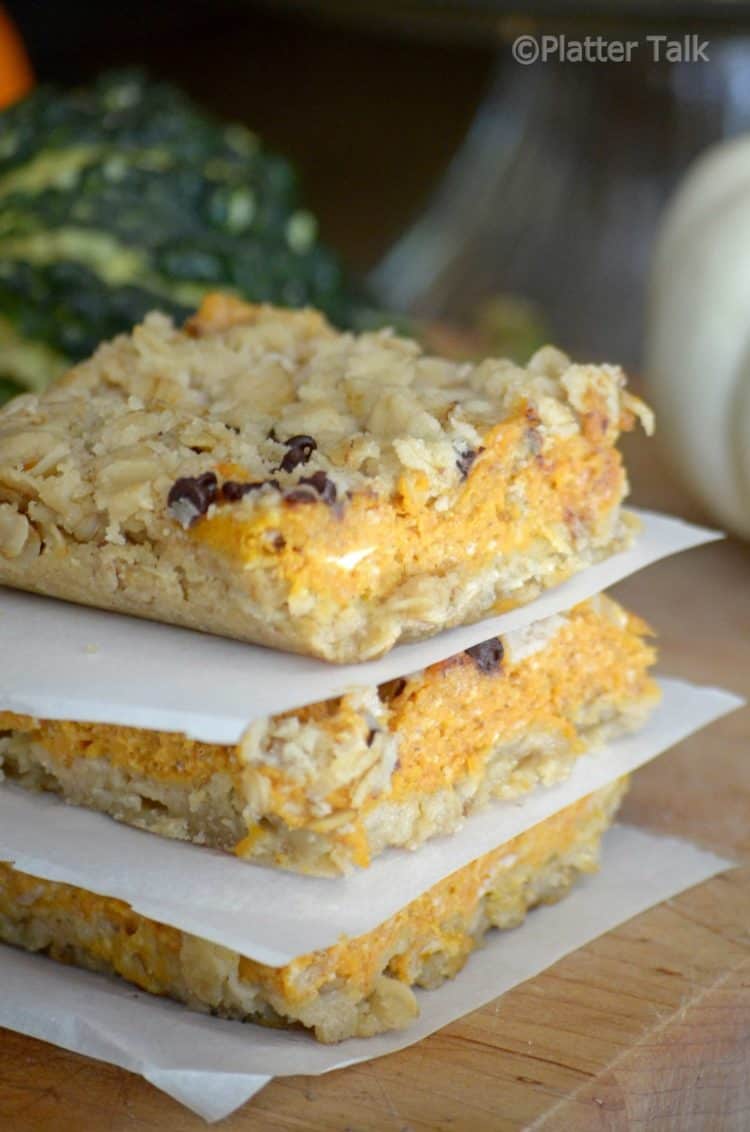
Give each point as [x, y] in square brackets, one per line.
[325, 788]
[357, 988]
[258, 475]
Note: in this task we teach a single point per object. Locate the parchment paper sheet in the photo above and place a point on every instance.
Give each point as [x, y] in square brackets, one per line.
[213, 1066]
[102, 667]
[63, 661]
[217, 896]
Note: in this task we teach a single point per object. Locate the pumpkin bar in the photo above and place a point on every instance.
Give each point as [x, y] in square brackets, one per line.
[326, 788]
[357, 988]
[259, 475]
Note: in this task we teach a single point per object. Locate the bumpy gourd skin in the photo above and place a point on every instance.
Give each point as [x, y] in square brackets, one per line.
[125, 197]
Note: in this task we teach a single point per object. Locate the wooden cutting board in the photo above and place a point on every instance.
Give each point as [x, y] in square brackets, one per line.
[648, 1028]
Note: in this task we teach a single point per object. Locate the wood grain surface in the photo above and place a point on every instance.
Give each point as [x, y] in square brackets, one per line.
[647, 1028]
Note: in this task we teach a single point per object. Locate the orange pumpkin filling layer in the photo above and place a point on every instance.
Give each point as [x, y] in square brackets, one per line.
[113, 936]
[370, 545]
[437, 731]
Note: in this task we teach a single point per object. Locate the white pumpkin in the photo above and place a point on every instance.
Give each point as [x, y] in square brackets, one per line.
[698, 332]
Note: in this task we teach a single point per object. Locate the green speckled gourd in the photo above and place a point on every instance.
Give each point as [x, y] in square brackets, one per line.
[124, 197]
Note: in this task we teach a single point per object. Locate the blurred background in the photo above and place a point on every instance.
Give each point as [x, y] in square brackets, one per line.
[491, 205]
[411, 125]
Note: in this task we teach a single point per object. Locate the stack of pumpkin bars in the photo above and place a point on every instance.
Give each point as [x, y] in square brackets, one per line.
[257, 475]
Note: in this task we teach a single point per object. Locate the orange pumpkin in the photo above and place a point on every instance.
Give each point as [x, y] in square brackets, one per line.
[16, 76]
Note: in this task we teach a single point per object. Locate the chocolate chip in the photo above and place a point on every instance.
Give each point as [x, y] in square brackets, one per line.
[311, 488]
[465, 459]
[232, 491]
[301, 449]
[191, 496]
[488, 656]
[301, 495]
[371, 736]
[325, 488]
[208, 482]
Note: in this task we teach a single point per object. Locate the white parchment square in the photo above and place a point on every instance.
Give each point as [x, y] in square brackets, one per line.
[64, 661]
